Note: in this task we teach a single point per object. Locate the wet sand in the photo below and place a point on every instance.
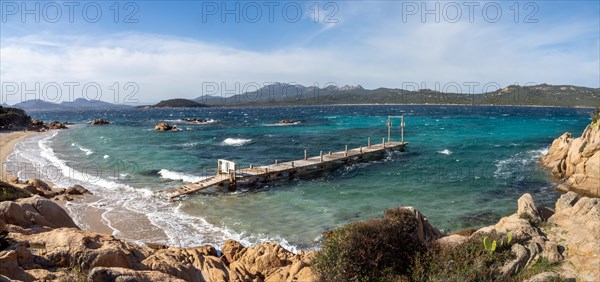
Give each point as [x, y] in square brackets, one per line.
[8, 140]
[89, 216]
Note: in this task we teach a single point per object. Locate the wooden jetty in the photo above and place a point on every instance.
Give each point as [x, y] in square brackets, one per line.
[229, 177]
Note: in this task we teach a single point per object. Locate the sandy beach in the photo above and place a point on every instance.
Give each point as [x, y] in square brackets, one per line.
[8, 140]
[90, 217]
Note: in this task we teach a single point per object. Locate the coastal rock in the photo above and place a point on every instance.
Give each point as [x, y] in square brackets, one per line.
[189, 264]
[12, 213]
[576, 227]
[566, 201]
[163, 126]
[526, 208]
[9, 266]
[232, 250]
[195, 120]
[77, 190]
[39, 184]
[36, 125]
[576, 161]
[521, 257]
[35, 210]
[42, 210]
[451, 241]
[544, 277]
[288, 121]
[10, 192]
[69, 247]
[99, 121]
[425, 231]
[56, 125]
[101, 274]
[2, 225]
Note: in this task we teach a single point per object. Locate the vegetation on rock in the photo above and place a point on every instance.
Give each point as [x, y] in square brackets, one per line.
[376, 249]
[177, 103]
[596, 116]
[13, 118]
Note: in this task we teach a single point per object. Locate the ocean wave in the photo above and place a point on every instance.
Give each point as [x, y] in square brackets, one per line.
[283, 124]
[235, 141]
[173, 175]
[188, 144]
[120, 204]
[83, 149]
[445, 152]
[515, 166]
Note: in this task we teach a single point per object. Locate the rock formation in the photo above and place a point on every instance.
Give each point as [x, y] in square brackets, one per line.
[576, 161]
[163, 126]
[195, 120]
[570, 236]
[99, 121]
[43, 243]
[38, 125]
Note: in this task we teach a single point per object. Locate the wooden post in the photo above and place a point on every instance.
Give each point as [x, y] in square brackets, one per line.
[276, 162]
[402, 129]
[369, 142]
[293, 164]
[360, 150]
[305, 155]
[383, 142]
[251, 166]
[389, 124]
[330, 153]
[346, 151]
[321, 155]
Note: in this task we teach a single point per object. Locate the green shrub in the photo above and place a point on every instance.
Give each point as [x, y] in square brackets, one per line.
[466, 262]
[13, 117]
[373, 250]
[595, 116]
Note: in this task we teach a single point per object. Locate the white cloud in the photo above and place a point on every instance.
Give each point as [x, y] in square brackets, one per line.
[388, 55]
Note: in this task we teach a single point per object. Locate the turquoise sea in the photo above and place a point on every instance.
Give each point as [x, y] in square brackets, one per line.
[465, 167]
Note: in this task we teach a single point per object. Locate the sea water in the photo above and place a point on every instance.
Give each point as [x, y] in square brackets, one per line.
[465, 167]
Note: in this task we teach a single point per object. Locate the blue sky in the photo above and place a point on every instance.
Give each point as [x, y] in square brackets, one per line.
[175, 48]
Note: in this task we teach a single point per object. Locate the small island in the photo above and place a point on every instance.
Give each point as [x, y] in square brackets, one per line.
[175, 103]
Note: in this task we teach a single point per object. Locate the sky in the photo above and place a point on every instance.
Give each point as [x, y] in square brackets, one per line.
[145, 51]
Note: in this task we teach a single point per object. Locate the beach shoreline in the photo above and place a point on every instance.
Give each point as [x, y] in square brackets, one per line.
[8, 141]
[92, 217]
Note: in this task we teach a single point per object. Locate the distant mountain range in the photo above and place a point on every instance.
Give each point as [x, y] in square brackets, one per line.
[78, 104]
[289, 94]
[282, 94]
[176, 103]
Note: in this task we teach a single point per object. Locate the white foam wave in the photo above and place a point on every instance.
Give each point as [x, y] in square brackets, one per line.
[188, 144]
[235, 141]
[83, 149]
[106, 156]
[121, 201]
[445, 152]
[517, 164]
[283, 124]
[173, 175]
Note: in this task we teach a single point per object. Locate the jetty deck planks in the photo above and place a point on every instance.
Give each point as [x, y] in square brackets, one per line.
[287, 170]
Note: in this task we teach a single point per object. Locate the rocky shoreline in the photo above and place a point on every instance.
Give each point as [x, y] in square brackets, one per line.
[41, 242]
[575, 162]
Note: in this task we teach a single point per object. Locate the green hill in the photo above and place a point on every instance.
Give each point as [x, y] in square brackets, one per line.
[176, 103]
[13, 118]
